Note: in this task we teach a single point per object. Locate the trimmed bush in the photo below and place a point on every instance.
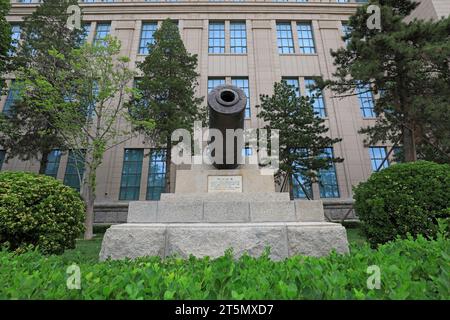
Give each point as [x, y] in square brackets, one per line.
[404, 198]
[409, 269]
[37, 210]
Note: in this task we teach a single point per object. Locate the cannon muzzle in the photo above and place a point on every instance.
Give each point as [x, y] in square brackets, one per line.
[227, 111]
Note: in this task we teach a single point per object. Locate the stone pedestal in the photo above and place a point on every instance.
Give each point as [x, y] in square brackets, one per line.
[203, 222]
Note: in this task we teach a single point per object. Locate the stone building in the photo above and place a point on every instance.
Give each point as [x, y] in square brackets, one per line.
[249, 43]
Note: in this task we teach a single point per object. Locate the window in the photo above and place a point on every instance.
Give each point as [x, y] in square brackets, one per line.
[328, 184]
[305, 38]
[238, 37]
[284, 38]
[366, 101]
[301, 184]
[2, 158]
[319, 104]
[15, 37]
[12, 97]
[86, 32]
[148, 29]
[299, 192]
[214, 82]
[156, 182]
[398, 155]
[53, 160]
[130, 184]
[346, 30]
[74, 170]
[216, 41]
[243, 84]
[377, 155]
[293, 82]
[102, 31]
[247, 151]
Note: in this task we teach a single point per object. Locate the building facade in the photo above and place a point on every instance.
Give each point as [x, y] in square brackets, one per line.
[249, 43]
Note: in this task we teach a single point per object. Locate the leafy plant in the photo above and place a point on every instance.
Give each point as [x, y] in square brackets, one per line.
[38, 211]
[409, 269]
[404, 198]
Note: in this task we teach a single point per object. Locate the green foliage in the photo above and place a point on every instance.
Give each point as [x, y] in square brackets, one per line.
[166, 92]
[404, 198]
[410, 269]
[37, 210]
[5, 41]
[165, 95]
[407, 64]
[86, 100]
[302, 133]
[27, 130]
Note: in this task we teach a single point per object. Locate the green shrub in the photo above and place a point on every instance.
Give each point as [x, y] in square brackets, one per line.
[409, 269]
[37, 210]
[404, 198]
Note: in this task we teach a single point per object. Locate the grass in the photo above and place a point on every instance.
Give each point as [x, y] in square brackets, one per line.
[88, 250]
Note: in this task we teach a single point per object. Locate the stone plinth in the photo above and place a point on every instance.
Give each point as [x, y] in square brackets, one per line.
[205, 239]
[195, 221]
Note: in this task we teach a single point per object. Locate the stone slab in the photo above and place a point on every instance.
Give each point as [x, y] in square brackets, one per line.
[316, 240]
[213, 239]
[185, 211]
[121, 243]
[226, 211]
[272, 211]
[309, 210]
[226, 196]
[142, 211]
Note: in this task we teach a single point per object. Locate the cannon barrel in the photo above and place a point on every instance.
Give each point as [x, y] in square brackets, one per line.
[227, 111]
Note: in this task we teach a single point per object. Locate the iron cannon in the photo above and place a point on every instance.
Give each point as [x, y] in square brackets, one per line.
[226, 105]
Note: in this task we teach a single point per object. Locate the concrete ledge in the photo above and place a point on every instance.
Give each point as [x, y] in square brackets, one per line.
[207, 239]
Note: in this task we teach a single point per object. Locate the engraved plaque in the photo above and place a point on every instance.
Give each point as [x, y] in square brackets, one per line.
[224, 183]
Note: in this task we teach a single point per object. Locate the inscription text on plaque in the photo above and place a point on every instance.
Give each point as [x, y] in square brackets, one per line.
[224, 183]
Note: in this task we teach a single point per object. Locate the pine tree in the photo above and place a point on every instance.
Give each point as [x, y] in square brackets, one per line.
[5, 41]
[302, 134]
[406, 66]
[26, 129]
[166, 90]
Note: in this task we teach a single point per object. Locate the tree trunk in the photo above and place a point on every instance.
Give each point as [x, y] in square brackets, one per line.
[89, 194]
[409, 145]
[44, 161]
[291, 187]
[168, 163]
[89, 219]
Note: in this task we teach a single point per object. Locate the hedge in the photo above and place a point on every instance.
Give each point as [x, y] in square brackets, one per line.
[403, 199]
[409, 269]
[37, 210]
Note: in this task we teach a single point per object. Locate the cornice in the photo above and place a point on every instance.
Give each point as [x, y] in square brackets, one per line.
[202, 7]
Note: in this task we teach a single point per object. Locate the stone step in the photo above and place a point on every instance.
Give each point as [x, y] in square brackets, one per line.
[226, 196]
[197, 211]
[208, 239]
